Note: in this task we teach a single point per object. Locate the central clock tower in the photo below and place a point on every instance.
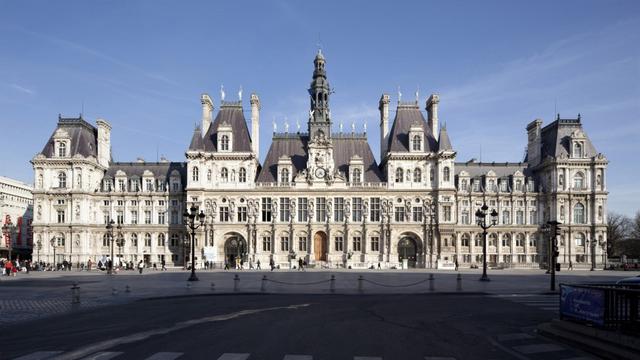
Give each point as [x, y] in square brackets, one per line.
[320, 164]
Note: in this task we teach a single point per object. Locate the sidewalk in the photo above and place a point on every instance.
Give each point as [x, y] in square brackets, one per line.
[41, 294]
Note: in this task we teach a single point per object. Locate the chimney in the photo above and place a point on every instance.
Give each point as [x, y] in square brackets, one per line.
[384, 124]
[104, 142]
[432, 111]
[207, 108]
[255, 125]
[534, 142]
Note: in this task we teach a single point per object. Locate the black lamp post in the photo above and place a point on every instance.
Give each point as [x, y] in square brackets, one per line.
[53, 245]
[604, 244]
[111, 239]
[481, 220]
[190, 221]
[554, 232]
[8, 230]
[430, 211]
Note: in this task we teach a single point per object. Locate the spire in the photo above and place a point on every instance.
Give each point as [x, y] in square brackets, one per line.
[319, 90]
[196, 141]
[444, 144]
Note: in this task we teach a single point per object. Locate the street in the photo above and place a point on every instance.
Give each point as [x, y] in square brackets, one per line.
[333, 327]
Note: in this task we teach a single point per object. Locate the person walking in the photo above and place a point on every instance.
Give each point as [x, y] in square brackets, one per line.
[8, 267]
[258, 265]
[164, 267]
[300, 267]
[140, 266]
[89, 263]
[272, 264]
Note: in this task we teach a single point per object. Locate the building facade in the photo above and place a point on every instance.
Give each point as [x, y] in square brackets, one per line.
[16, 209]
[320, 195]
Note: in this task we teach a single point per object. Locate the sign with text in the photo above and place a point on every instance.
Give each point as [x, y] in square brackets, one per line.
[582, 303]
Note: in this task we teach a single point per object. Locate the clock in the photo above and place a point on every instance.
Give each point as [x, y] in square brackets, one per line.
[320, 173]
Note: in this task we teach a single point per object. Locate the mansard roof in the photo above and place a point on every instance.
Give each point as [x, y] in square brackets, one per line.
[83, 136]
[408, 115]
[160, 170]
[230, 113]
[197, 143]
[556, 138]
[345, 146]
[501, 170]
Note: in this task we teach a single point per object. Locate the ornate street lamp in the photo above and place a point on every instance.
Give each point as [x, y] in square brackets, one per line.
[111, 239]
[190, 221]
[429, 211]
[53, 245]
[481, 220]
[8, 230]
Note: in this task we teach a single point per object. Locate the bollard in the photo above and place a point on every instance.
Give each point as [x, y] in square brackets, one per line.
[75, 293]
[236, 280]
[431, 280]
[459, 282]
[264, 283]
[127, 289]
[114, 291]
[360, 279]
[332, 284]
[213, 287]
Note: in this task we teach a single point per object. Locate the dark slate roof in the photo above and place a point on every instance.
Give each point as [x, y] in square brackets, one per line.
[556, 138]
[84, 137]
[160, 170]
[295, 146]
[230, 113]
[408, 114]
[443, 140]
[477, 169]
[197, 142]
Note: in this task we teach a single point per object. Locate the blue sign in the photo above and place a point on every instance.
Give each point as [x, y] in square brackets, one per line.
[582, 303]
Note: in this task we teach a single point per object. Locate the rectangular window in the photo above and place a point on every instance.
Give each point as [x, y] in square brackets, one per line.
[121, 186]
[149, 184]
[285, 209]
[242, 213]
[284, 243]
[338, 209]
[520, 217]
[303, 210]
[60, 216]
[266, 243]
[134, 217]
[147, 217]
[161, 202]
[464, 219]
[120, 202]
[106, 217]
[339, 240]
[161, 218]
[106, 202]
[417, 214]
[174, 217]
[266, 209]
[533, 218]
[224, 214]
[399, 213]
[60, 202]
[321, 209]
[375, 243]
[174, 203]
[120, 217]
[356, 210]
[357, 243]
[374, 215]
[134, 202]
[147, 203]
[302, 243]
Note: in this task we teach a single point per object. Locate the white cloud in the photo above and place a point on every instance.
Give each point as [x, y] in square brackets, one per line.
[22, 89]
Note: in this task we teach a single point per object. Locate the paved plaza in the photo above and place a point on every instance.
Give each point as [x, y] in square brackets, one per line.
[41, 294]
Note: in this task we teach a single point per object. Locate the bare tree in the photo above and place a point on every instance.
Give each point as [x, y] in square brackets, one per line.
[618, 229]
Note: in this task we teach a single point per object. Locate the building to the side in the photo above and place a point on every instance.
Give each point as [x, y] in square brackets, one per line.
[321, 195]
[16, 209]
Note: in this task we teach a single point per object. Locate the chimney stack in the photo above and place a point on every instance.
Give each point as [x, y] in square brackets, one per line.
[104, 142]
[432, 111]
[207, 109]
[255, 125]
[384, 124]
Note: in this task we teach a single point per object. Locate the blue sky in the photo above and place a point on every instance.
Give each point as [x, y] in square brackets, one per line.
[497, 65]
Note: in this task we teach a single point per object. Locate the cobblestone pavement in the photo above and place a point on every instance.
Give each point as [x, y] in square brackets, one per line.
[41, 294]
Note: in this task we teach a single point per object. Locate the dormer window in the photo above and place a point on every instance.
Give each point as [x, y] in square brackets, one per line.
[284, 176]
[578, 181]
[195, 173]
[446, 174]
[62, 149]
[224, 143]
[578, 150]
[242, 175]
[224, 174]
[416, 143]
[356, 176]
[399, 175]
[62, 180]
[464, 185]
[417, 175]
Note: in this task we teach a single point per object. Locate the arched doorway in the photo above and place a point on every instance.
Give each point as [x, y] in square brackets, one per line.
[320, 246]
[408, 249]
[235, 247]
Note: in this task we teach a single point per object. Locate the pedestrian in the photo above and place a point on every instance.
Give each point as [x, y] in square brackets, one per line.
[8, 266]
[89, 263]
[258, 265]
[378, 265]
[226, 264]
[456, 262]
[272, 264]
[570, 265]
[300, 268]
[155, 267]
[164, 267]
[250, 264]
[140, 266]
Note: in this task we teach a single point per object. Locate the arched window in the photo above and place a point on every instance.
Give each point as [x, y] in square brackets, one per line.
[477, 241]
[224, 143]
[62, 149]
[465, 240]
[506, 240]
[417, 175]
[161, 239]
[224, 174]
[578, 214]
[417, 143]
[357, 176]
[134, 239]
[579, 239]
[493, 239]
[105, 240]
[561, 211]
[578, 181]
[464, 186]
[578, 151]
[284, 176]
[62, 180]
[147, 239]
[209, 175]
[446, 174]
[242, 175]
[561, 180]
[600, 212]
[399, 175]
[195, 173]
[520, 240]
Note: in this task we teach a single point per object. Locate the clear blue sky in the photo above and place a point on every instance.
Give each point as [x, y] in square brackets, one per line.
[497, 65]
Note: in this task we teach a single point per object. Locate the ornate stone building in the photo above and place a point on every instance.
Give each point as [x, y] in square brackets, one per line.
[320, 195]
[16, 213]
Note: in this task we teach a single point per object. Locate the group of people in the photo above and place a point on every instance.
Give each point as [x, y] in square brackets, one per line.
[12, 267]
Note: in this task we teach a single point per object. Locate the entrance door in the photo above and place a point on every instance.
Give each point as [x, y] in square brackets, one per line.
[407, 249]
[320, 246]
[234, 248]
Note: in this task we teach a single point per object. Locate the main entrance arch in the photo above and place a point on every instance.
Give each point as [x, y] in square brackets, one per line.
[320, 246]
[408, 249]
[235, 247]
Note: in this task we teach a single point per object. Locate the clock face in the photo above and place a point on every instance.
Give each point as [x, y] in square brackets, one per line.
[320, 172]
